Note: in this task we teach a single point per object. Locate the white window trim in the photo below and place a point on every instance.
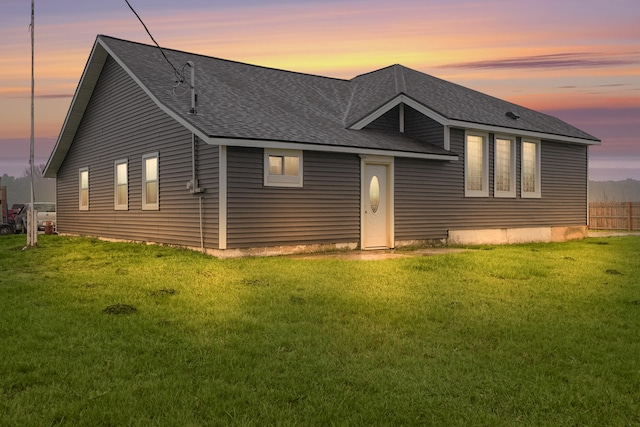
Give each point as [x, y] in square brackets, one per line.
[80, 205]
[117, 206]
[150, 206]
[485, 165]
[531, 194]
[512, 168]
[283, 180]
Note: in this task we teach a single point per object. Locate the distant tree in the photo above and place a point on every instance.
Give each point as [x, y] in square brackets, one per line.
[614, 191]
[19, 190]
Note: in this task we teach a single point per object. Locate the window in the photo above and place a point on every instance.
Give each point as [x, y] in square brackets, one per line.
[530, 169]
[374, 194]
[282, 168]
[476, 166]
[121, 195]
[150, 182]
[505, 167]
[83, 176]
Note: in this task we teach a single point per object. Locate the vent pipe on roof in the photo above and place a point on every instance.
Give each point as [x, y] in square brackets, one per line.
[180, 79]
[192, 86]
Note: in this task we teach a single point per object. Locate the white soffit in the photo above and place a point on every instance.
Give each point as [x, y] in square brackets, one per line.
[256, 143]
[404, 99]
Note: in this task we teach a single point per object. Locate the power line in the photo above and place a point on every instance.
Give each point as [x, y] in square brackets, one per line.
[178, 75]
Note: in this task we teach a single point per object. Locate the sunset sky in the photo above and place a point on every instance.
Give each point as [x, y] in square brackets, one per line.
[578, 60]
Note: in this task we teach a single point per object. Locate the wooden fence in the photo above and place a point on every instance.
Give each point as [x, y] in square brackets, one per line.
[614, 216]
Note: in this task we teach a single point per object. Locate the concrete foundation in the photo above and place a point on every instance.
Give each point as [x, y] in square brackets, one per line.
[497, 236]
[281, 250]
[501, 236]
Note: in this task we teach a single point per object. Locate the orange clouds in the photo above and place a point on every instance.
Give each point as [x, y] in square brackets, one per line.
[503, 44]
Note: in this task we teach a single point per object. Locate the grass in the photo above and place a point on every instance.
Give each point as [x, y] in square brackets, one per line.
[113, 334]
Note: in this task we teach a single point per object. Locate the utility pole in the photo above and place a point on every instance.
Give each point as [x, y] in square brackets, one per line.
[32, 224]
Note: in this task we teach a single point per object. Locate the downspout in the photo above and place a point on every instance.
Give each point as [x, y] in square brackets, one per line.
[194, 187]
[194, 141]
[201, 232]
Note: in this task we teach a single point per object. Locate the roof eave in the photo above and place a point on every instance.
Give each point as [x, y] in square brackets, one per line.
[445, 121]
[78, 105]
[180, 118]
[81, 99]
[259, 143]
[522, 132]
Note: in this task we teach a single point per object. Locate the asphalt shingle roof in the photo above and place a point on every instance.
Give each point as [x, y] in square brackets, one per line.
[452, 101]
[248, 102]
[237, 100]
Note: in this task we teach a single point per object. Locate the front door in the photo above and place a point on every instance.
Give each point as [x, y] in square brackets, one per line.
[376, 215]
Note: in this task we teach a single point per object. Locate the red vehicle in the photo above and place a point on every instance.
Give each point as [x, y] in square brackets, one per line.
[11, 213]
[5, 227]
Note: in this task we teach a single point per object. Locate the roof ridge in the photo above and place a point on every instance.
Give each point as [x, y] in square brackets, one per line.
[401, 84]
[419, 85]
[224, 60]
[347, 110]
[372, 72]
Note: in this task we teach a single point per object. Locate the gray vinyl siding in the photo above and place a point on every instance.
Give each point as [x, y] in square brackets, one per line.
[388, 122]
[325, 210]
[429, 195]
[423, 128]
[416, 125]
[121, 122]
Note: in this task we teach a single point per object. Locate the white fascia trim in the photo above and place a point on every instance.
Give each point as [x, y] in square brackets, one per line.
[519, 132]
[80, 100]
[282, 145]
[463, 124]
[222, 197]
[447, 138]
[150, 94]
[400, 99]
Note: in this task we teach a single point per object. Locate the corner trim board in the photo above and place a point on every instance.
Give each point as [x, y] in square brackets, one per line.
[222, 197]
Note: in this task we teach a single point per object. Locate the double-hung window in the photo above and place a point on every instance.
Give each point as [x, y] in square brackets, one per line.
[150, 187]
[121, 195]
[530, 169]
[476, 165]
[505, 167]
[282, 168]
[83, 184]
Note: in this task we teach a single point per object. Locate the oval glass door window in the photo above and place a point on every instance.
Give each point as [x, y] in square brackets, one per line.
[374, 194]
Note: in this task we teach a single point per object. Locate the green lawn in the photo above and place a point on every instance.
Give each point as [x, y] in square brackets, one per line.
[114, 334]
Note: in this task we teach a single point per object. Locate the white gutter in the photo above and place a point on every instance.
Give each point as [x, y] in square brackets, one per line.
[256, 143]
[464, 124]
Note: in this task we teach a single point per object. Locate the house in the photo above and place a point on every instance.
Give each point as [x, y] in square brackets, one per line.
[237, 159]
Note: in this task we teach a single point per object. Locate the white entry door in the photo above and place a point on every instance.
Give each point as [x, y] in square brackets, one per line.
[376, 215]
